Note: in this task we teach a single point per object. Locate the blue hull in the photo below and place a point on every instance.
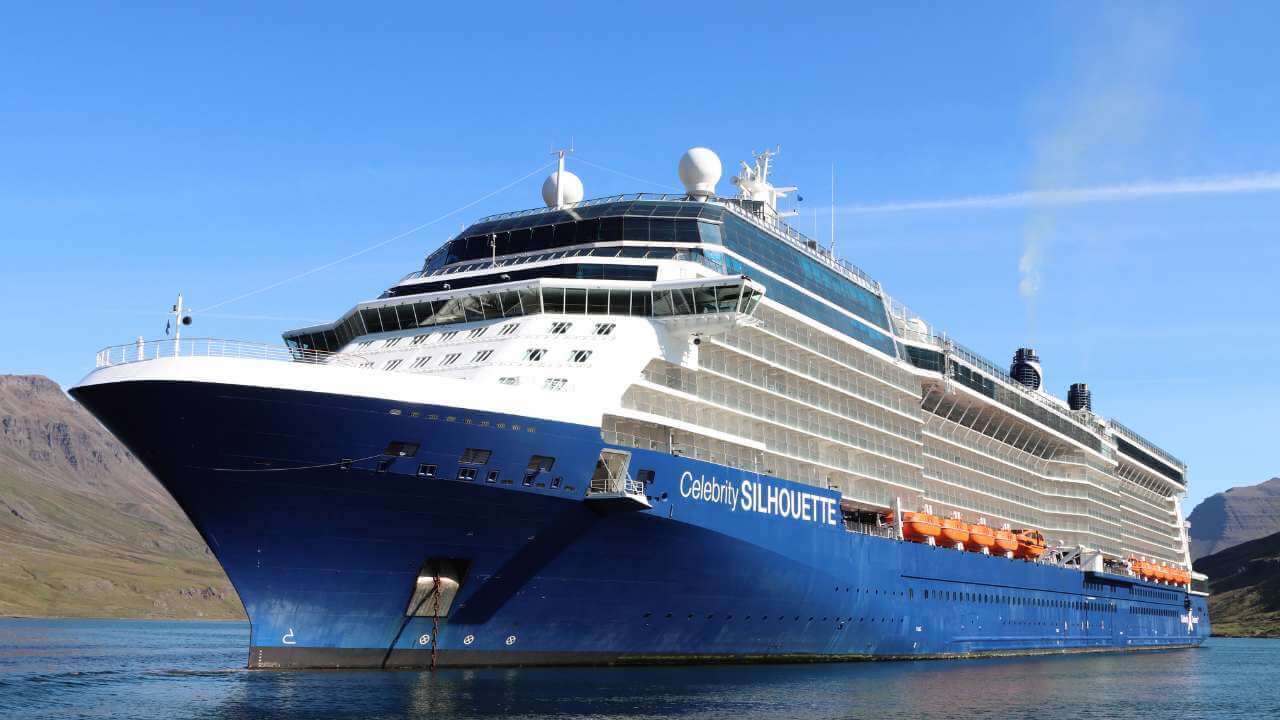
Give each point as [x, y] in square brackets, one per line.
[725, 566]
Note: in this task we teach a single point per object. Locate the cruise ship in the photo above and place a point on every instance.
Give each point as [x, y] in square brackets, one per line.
[652, 428]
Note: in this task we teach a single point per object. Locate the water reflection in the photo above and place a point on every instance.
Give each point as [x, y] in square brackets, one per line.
[63, 669]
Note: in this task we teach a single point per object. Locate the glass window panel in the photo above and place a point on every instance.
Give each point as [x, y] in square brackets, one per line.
[710, 233]
[686, 231]
[491, 307]
[661, 253]
[633, 251]
[543, 237]
[521, 240]
[727, 298]
[704, 300]
[641, 303]
[662, 231]
[530, 301]
[426, 311]
[509, 302]
[471, 309]
[610, 230]
[619, 302]
[404, 314]
[449, 311]
[371, 320]
[662, 305]
[635, 229]
[388, 317]
[682, 301]
[575, 300]
[597, 302]
[553, 300]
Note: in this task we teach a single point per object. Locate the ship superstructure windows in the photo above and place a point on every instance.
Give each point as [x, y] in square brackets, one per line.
[604, 328]
[477, 332]
[508, 329]
[450, 359]
[534, 354]
[560, 328]
[482, 356]
[661, 301]
[475, 456]
[391, 342]
[419, 339]
[420, 362]
[555, 383]
[392, 364]
[509, 380]
[579, 356]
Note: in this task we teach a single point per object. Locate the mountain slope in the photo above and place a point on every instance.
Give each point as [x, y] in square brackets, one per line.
[1245, 584]
[84, 529]
[1235, 516]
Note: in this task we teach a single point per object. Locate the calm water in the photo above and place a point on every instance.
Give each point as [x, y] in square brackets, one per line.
[142, 669]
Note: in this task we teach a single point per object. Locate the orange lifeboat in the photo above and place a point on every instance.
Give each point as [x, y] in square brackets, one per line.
[1164, 574]
[919, 527]
[1139, 567]
[955, 531]
[1030, 545]
[981, 537]
[1006, 541]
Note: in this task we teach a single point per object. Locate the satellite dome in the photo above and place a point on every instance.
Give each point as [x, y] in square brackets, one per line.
[571, 192]
[700, 170]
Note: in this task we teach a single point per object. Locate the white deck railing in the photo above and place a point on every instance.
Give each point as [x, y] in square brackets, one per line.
[214, 347]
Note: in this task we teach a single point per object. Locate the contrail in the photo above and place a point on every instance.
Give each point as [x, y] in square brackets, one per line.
[1222, 185]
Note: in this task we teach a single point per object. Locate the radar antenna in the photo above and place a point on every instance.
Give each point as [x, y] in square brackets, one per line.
[753, 183]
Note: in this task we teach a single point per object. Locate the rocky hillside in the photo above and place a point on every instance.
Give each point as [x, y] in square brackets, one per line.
[1244, 582]
[84, 528]
[1235, 516]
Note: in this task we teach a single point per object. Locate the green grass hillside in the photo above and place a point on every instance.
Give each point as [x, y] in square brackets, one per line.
[1245, 584]
[84, 529]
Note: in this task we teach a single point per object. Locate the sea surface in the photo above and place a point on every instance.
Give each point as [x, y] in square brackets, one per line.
[154, 669]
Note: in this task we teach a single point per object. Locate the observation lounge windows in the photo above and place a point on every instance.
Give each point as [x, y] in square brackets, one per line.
[640, 302]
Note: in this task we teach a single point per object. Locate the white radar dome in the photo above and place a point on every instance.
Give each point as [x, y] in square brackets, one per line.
[571, 192]
[700, 170]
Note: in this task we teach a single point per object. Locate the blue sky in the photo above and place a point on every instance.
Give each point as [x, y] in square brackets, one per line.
[218, 149]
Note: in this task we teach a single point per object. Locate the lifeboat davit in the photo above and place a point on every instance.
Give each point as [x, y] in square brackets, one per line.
[955, 531]
[1006, 541]
[919, 527]
[1030, 545]
[981, 536]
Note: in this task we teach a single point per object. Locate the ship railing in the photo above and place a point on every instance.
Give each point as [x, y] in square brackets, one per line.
[625, 485]
[884, 531]
[144, 350]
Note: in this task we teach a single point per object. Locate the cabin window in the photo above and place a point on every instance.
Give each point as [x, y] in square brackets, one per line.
[508, 380]
[555, 383]
[579, 356]
[420, 362]
[450, 359]
[400, 448]
[392, 364]
[392, 342]
[534, 354]
[604, 328]
[475, 456]
[446, 337]
[426, 470]
[560, 328]
[467, 473]
[418, 340]
[508, 328]
[482, 356]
